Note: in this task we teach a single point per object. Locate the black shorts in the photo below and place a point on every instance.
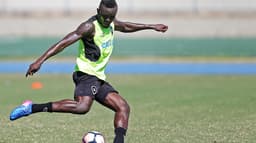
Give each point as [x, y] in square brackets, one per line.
[88, 85]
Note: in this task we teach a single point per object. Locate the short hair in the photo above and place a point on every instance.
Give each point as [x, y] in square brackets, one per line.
[108, 3]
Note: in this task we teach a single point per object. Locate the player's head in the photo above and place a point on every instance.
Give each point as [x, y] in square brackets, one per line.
[106, 12]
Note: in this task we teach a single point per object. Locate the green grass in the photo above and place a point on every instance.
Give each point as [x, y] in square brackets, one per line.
[164, 109]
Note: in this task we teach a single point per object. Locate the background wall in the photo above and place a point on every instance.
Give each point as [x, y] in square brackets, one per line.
[185, 18]
[131, 5]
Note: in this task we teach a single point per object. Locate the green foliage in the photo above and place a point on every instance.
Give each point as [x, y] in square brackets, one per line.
[164, 109]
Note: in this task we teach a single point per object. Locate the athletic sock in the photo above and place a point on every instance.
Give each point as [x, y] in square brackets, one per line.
[47, 107]
[120, 133]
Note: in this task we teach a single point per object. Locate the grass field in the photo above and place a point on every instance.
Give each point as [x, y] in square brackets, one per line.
[164, 109]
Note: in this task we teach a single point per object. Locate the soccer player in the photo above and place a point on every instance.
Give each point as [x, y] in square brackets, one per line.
[95, 38]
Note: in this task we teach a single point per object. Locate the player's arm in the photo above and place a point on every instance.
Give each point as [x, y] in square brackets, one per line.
[133, 27]
[85, 29]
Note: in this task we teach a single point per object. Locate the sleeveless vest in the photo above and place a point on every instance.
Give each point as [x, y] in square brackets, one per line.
[93, 55]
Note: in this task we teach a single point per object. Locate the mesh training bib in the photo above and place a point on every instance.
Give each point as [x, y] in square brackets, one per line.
[94, 55]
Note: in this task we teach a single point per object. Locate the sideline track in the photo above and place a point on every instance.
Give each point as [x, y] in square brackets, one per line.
[141, 68]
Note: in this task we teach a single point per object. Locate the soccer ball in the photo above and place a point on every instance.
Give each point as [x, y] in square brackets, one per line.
[93, 137]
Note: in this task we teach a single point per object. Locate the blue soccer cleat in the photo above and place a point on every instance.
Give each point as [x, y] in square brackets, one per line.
[23, 110]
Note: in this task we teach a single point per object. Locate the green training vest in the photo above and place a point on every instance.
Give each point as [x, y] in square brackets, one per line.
[94, 55]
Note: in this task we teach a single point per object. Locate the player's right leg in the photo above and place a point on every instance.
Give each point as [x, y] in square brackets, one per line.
[23, 110]
[80, 105]
[86, 88]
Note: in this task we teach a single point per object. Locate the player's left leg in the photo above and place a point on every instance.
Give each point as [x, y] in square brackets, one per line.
[122, 110]
[112, 100]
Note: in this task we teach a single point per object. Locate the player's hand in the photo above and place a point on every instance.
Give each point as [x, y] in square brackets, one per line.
[33, 68]
[161, 27]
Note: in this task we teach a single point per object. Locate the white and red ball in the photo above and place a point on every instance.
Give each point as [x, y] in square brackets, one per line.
[93, 137]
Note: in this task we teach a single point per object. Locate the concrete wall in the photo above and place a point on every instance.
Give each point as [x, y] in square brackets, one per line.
[179, 26]
[198, 24]
[129, 5]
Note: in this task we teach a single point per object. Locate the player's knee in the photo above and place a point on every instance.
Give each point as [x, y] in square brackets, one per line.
[124, 107]
[118, 104]
[82, 109]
